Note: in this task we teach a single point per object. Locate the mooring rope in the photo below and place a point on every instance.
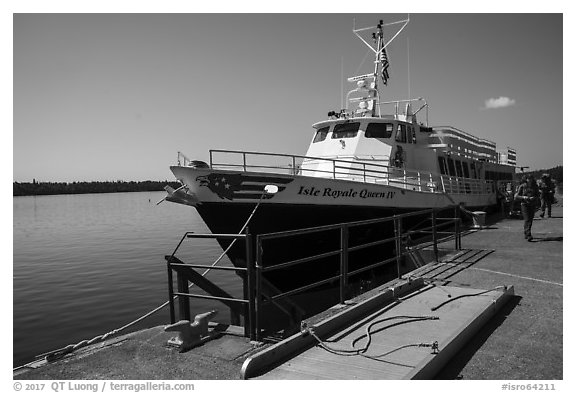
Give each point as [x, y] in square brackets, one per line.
[468, 212]
[59, 353]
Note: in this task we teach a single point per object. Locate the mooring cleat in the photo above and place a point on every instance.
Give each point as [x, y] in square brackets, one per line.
[190, 334]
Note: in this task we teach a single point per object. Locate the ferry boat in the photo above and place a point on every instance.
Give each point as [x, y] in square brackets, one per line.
[362, 162]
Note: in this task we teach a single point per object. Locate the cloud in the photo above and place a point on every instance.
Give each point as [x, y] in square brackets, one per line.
[500, 102]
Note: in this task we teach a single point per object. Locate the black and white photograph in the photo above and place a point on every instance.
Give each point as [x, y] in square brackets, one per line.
[336, 195]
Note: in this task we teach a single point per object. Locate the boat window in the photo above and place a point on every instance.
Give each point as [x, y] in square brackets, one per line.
[465, 167]
[459, 168]
[412, 134]
[321, 134]
[473, 168]
[379, 130]
[442, 164]
[401, 133]
[451, 168]
[345, 130]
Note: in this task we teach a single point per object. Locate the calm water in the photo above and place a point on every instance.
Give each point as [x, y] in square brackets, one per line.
[87, 264]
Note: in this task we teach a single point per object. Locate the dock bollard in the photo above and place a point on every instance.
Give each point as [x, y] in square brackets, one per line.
[479, 219]
[190, 334]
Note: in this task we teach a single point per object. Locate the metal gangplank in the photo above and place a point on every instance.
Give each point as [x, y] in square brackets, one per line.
[409, 331]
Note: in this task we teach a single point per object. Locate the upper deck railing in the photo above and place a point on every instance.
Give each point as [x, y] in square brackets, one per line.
[351, 170]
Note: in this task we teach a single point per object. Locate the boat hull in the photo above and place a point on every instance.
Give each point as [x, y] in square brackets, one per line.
[271, 218]
[226, 199]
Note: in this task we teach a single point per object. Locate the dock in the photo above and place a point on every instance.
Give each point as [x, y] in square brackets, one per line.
[500, 317]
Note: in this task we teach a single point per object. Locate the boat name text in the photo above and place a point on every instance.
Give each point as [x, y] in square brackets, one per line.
[350, 193]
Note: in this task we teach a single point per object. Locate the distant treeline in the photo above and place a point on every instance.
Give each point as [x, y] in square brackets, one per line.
[49, 188]
[555, 173]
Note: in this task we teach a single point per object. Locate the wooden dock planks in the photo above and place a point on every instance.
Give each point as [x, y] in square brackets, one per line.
[457, 321]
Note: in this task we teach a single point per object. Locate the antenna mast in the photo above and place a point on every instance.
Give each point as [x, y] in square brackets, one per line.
[381, 63]
[408, 44]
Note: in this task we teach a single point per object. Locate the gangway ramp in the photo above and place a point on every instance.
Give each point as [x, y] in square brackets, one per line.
[415, 329]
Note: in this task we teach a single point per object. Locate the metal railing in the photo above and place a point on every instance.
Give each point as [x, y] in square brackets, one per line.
[183, 294]
[254, 299]
[183, 160]
[356, 170]
[398, 240]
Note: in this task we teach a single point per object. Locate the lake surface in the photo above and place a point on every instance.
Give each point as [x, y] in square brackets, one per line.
[87, 264]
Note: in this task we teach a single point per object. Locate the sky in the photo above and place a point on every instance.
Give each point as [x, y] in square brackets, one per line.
[115, 96]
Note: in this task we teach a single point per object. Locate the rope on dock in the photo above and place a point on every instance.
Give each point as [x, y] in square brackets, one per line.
[368, 335]
[59, 353]
[468, 212]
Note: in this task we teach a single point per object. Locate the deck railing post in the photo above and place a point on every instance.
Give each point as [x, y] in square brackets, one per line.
[294, 164]
[343, 262]
[171, 293]
[405, 184]
[459, 233]
[211, 162]
[183, 301]
[258, 294]
[419, 182]
[398, 242]
[457, 227]
[249, 328]
[434, 236]
[244, 161]
[364, 171]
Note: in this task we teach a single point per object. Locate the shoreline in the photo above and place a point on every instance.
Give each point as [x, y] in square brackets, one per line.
[96, 187]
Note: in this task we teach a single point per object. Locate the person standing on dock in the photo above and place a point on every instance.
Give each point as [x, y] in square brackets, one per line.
[527, 194]
[547, 189]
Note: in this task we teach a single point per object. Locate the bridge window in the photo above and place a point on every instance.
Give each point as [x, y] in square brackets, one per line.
[466, 171]
[321, 134]
[473, 168]
[451, 168]
[379, 130]
[442, 164]
[459, 168]
[345, 130]
[401, 133]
